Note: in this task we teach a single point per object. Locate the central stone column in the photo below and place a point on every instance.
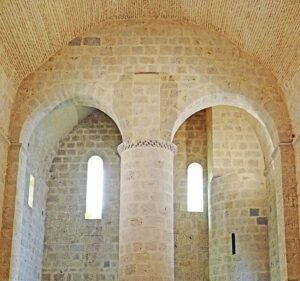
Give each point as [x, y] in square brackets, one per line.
[146, 211]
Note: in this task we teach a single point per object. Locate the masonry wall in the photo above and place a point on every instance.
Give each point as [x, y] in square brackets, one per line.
[296, 146]
[4, 145]
[75, 248]
[287, 209]
[238, 197]
[7, 95]
[190, 229]
[291, 91]
[273, 179]
[39, 155]
[201, 66]
[32, 231]
[8, 162]
[192, 67]
[29, 253]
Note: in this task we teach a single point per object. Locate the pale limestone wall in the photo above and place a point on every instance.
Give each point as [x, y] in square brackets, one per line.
[292, 90]
[273, 178]
[296, 146]
[238, 199]
[273, 38]
[102, 68]
[4, 145]
[15, 176]
[199, 68]
[236, 209]
[76, 248]
[39, 155]
[32, 232]
[8, 91]
[235, 146]
[190, 229]
[284, 247]
[287, 210]
[7, 95]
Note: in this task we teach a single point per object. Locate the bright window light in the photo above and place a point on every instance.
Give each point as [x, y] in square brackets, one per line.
[31, 191]
[195, 188]
[94, 188]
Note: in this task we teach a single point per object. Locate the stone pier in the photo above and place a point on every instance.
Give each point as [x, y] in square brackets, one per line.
[146, 211]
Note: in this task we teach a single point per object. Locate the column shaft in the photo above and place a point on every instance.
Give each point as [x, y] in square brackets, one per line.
[146, 212]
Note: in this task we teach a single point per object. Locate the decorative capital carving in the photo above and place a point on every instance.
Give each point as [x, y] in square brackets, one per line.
[147, 143]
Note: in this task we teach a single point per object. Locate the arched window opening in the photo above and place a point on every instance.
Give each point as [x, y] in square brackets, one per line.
[31, 191]
[94, 188]
[195, 188]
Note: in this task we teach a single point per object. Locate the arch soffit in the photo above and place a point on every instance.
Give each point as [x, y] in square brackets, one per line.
[23, 124]
[265, 121]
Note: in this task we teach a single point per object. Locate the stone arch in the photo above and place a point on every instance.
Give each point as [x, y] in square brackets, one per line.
[202, 68]
[266, 128]
[37, 107]
[275, 131]
[274, 134]
[24, 120]
[256, 92]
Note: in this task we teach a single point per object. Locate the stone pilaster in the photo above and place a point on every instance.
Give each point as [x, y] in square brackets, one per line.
[146, 211]
[290, 211]
[4, 145]
[10, 236]
[284, 224]
[296, 145]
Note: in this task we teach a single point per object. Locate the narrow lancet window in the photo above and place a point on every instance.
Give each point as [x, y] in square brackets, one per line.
[31, 191]
[94, 188]
[195, 188]
[233, 245]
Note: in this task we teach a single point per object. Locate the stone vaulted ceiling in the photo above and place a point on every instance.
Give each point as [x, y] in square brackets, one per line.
[31, 31]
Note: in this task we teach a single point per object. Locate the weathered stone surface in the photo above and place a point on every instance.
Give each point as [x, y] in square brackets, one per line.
[146, 214]
[91, 41]
[149, 76]
[75, 42]
[82, 249]
[253, 212]
[190, 229]
[237, 186]
[262, 220]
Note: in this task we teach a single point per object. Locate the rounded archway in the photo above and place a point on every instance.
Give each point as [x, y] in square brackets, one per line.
[34, 110]
[231, 172]
[54, 147]
[266, 122]
[108, 68]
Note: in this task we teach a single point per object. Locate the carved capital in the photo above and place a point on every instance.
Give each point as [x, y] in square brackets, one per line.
[147, 143]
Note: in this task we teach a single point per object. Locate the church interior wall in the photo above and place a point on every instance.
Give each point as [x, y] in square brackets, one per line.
[144, 77]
